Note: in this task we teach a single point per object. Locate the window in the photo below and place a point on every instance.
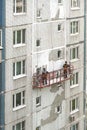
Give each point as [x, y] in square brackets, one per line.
[59, 54]
[74, 80]
[37, 42]
[58, 109]
[19, 6]
[75, 3]
[19, 99]
[74, 104]
[19, 37]
[38, 101]
[59, 27]
[74, 127]
[74, 53]
[74, 27]
[38, 12]
[38, 128]
[19, 68]
[19, 126]
[60, 1]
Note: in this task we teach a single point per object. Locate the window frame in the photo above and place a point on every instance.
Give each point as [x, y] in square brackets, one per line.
[22, 100]
[73, 6]
[22, 125]
[58, 109]
[22, 37]
[23, 6]
[76, 126]
[38, 101]
[74, 53]
[59, 29]
[60, 1]
[22, 69]
[74, 27]
[74, 105]
[60, 53]
[38, 128]
[75, 80]
[38, 41]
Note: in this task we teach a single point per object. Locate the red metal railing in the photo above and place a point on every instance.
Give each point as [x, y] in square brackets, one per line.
[53, 77]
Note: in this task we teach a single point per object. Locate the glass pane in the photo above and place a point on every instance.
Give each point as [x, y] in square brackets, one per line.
[76, 78]
[77, 52]
[13, 69]
[73, 127]
[18, 36]
[23, 97]
[24, 5]
[19, 6]
[76, 102]
[71, 28]
[23, 67]
[13, 101]
[73, 78]
[73, 53]
[77, 127]
[23, 125]
[38, 128]
[71, 4]
[18, 68]
[13, 128]
[23, 36]
[18, 126]
[18, 99]
[76, 26]
[73, 104]
[70, 82]
[14, 37]
[59, 27]
[74, 3]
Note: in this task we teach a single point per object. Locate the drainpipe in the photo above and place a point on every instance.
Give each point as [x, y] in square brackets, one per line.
[84, 77]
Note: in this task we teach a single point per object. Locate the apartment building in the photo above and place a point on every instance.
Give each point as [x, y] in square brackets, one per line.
[38, 36]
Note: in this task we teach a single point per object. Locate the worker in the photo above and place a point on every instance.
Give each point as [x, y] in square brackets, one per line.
[44, 76]
[65, 69]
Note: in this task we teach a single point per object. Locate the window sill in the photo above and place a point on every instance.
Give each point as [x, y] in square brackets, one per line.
[73, 86]
[60, 4]
[74, 60]
[19, 76]
[17, 14]
[18, 45]
[75, 8]
[39, 17]
[38, 105]
[59, 31]
[76, 110]
[74, 34]
[19, 107]
[1, 47]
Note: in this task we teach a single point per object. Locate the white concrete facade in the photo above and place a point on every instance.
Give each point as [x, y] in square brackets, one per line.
[44, 28]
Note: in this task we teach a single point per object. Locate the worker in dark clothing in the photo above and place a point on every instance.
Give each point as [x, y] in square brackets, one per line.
[44, 76]
[65, 69]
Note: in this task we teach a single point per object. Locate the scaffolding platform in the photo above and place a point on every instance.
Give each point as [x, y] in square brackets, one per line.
[53, 77]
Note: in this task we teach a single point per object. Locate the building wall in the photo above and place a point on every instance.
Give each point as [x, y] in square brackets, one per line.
[67, 92]
[14, 54]
[44, 28]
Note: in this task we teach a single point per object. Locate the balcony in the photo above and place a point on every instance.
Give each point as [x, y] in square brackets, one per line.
[49, 78]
